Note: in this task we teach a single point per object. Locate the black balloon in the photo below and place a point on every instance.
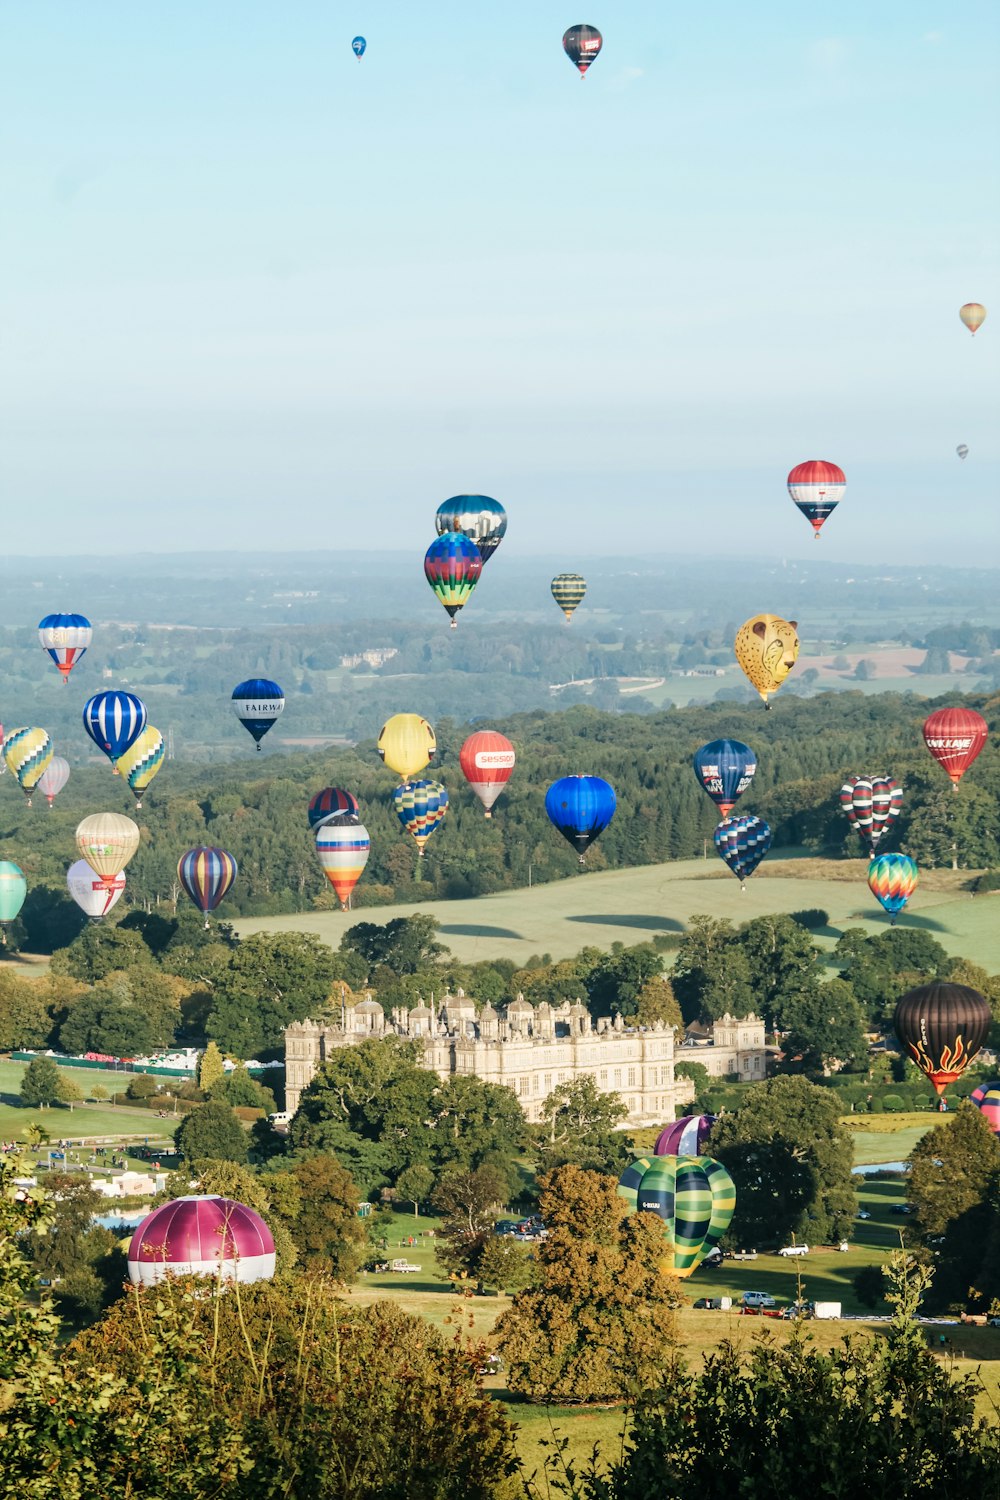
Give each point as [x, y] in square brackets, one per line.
[942, 1027]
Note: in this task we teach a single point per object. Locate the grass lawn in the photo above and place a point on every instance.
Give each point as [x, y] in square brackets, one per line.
[879, 1138]
[83, 1120]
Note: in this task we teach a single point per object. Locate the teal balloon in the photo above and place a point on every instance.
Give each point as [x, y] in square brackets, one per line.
[13, 889]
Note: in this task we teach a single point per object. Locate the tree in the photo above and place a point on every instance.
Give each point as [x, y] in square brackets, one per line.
[102, 949]
[240, 1089]
[825, 1027]
[270, 980]
[468, 1201]
[402, 946]
[125, 1014]
[700, 1077]
[615, 983]
[210, 1067]
[580, 1124]
[784, 965]
[709, 975]
[505, 1264]
[881, 969]
[601, 1322]
[791, 1161]
[25, 1018]
[326, 1230]
[869, 1285]
[212, 1130]
[70, 1091]
[413, 1185]
[954, 1191]
[41, 1082]
[656, 1001]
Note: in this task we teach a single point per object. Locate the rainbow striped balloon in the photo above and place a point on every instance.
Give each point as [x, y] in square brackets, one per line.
[420, 807]
[206, 875]
[892, 879]
[693, 1195]
[343, 850]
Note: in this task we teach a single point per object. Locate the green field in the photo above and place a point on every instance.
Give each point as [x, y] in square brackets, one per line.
[632, 906]
[83, 1120]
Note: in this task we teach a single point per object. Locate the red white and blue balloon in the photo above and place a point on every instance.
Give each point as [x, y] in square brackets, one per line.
[742, 843]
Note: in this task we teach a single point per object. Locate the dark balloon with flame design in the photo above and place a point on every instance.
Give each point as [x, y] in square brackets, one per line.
[942, 1027]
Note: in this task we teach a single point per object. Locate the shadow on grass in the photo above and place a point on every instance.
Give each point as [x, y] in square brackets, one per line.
[468, 929]
[903, 919]
[648, 924]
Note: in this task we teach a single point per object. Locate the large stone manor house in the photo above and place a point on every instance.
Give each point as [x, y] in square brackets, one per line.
[531, 1049]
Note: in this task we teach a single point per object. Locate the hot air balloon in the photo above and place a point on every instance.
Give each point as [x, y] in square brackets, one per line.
[407, 744]
[107, 841]
[201, 1236]
[27, 752]
[581, 807]
[568, 590]
[53, 778]
[892, 879]
[725, 768]
[142, 760]
[767, 648]
[487, 761]
[870, 804]
[343, 850]
[65, 638]
[114, 721]
[332, 803]
[742, 842]
[358, 45]
[942, 1026]
[206, 875]
[257, 703]
[986, 1098]
[94, 895]
[962, 450]
[955, 736]
[420, 807]
[693, 1195]
[481, 519]
[452, 568]
[581, 45]
[973, 315]
[685, 1137]
[13, 889]
[817, 487]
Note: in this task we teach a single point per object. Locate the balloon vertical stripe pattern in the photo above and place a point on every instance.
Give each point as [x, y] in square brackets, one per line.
[53, 778]
[65, 638]
[871, 804]
[332, 802]
[114, 721]
[206, 874]
[693, 1195]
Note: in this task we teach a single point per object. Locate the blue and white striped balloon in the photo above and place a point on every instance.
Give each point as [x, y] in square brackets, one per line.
[65, 638]
[114, 721]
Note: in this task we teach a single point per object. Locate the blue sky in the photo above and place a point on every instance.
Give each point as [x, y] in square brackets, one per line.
[253, 292]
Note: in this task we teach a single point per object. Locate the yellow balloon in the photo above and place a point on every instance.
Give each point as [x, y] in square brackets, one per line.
[107, 842]
[973, 315]
[27, 752]
[767, 648]
[407, 744]
[141, 761]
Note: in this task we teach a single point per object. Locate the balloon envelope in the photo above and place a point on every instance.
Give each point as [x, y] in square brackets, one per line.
[332, 802]
[65, 638]
[407, 744]
[581, 45]
[871, 804]
[955, 736]
[452, 567]
[421, 808]
[685, 1137]
[343, 850]
[693, 1195]
[114, 721]
[817, 487]
[568, 590]
[206, 874]
[480, 518]
[725, 768]
[107, 842]
[962, 450]
[892, 879]
[487, 761]
[93, 895]
[973, 315]
[986, 1098]
[201, 1236]
[942, 1027]
[767, 648]
[13, 889]
[28, 753]
[53, 778]
[742, 842]
[257, 703]
[358, 45]
[581, 807]
[142, 760]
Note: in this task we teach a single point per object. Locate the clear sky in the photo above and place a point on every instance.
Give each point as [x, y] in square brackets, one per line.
[256, 293]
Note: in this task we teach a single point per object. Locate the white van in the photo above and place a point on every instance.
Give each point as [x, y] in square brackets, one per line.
[795, 1250]
[757, 1299]
[279, 1118]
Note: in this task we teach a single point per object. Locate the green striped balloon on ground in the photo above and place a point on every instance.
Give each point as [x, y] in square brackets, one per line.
[693, 1195]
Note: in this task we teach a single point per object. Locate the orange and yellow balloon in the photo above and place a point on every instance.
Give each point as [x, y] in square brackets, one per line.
[973, 315]
[767, 648]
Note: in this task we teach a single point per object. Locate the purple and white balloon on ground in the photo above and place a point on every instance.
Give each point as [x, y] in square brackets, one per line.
[201, 1236]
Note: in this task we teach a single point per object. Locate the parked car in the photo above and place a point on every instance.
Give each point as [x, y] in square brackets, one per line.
[504, 1227]
[794, 1250]
[704, 1302]
[901, 1208]
[757, 1299]
[993, 1322]
[863, 1213]
[404, 1265]
[799, 1310]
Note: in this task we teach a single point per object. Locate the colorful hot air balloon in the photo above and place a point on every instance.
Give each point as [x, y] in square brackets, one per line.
[481, 519]
[487, 761]
[973, 315]
[107, 841]
[420, 807]
[942, 1026]
[581, 807]
[892, 879]
[742, 842]
[114, 721]
[65, 638]
[962, 450]
[568, 590]
[986, 1098]
[206, 875]
[581, 45]
[452, 568]
[27, 752]
[333, 803]
[13, 889]
[142, 760]
[53, 778]
[358, 45]
[817, 488]
[693, 1195]
[767, 648]
[94, 895]
[257, 703]
[685, 1137]
[870, 804]
[407, 744]
[201, 1236]
[955, 736]
[343, 850]
[725, 768]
